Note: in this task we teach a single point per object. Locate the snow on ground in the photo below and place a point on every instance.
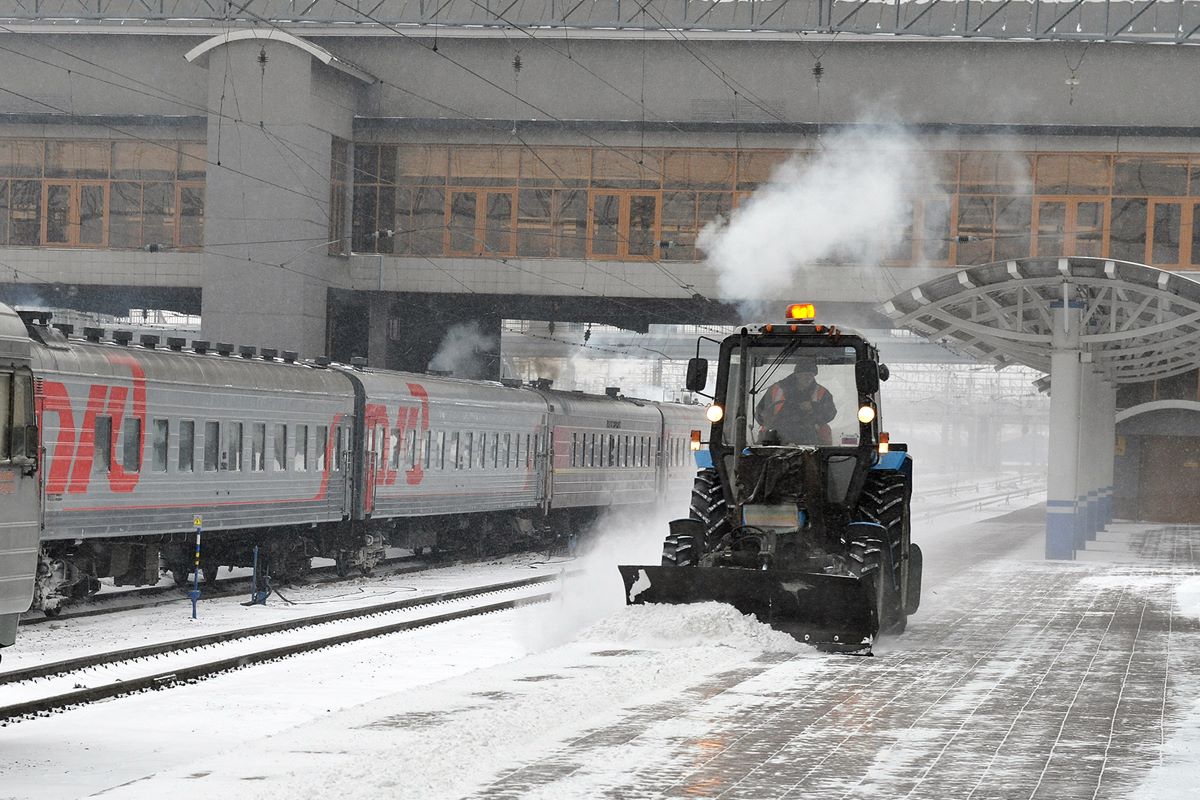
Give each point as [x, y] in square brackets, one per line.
[431, 713]
[1174, 776]
[452, 737]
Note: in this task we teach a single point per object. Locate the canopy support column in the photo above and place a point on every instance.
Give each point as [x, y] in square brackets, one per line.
[1062, 485]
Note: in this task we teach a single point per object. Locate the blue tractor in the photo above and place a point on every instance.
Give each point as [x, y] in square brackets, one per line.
[800, 510]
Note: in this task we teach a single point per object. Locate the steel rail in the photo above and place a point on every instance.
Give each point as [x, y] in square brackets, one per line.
[45, 705]
[65, 666]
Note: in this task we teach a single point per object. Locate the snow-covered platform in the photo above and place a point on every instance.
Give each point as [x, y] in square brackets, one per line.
[1018, 678]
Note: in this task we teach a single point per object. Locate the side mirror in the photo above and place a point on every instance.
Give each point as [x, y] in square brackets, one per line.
[884, 372]
[31, 441]
[866, 375]
[697, 374]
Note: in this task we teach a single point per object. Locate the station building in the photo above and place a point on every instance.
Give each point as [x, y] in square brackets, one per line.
[351, 180]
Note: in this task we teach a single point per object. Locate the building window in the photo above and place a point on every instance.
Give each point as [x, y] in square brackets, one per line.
[115, 194]
[650, 204]
[339, 188]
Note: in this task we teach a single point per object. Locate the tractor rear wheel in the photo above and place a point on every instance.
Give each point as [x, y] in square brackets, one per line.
[709, 507]
[885, 501]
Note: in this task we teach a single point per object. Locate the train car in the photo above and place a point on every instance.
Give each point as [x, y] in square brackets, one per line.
[449, 459]
[682, 425]
[142, 441]
[139, 442]
[19, 474]
[604, 453]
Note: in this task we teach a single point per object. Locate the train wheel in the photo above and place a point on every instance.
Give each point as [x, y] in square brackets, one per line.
[180, 574]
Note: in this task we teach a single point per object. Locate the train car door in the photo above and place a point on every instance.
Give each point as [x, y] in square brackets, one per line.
[20, 488]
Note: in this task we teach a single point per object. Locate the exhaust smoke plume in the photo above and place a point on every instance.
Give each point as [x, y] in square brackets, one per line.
[846, 202]
[463, 350]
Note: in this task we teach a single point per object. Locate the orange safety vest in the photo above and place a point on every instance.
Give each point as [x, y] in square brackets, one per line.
[824, 434]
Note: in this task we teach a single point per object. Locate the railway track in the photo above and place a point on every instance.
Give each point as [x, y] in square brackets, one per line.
[153, 596]
[45, 688]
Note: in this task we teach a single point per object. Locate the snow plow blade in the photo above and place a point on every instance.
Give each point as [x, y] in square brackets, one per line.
[833, 612]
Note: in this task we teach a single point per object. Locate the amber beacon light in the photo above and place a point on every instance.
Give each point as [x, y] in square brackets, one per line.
[805, 311]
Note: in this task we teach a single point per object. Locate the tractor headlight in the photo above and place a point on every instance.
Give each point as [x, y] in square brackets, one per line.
[715, 413]
[866, 415]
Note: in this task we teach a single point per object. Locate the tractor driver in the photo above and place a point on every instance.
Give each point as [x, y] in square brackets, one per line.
[797, 408]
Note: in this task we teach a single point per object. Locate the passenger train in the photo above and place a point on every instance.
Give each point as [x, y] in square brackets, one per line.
[113, 452]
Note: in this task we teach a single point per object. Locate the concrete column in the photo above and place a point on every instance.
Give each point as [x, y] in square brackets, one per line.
[1106, 457]
[1062, 484]
[267, 268]
[1089, 451]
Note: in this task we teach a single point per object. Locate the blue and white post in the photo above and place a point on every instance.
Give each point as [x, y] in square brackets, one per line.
[1107, 440]
[194, 594]
[1062, 480]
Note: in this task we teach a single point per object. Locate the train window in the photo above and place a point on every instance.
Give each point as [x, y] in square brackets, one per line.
[394, 448]
[322, 444]
[212, 445]
[441, 450]
[495, 450]
[455, 446]
[281, 448]
[483, 450]
[187, 445]
[159, 459]
[258, 446]
[574, 444]
[507, 450]
[528, 452]
[131, 444]
[300, 461]
[102, 444]
[612, 451]
[231, 458]
[427, 448]
[467, 447]
[339, 447]
[411, 447]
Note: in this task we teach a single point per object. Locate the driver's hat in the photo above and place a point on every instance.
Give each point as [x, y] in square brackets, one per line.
[805, 366]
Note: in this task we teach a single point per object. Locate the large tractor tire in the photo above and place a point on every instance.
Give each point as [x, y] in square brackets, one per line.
[885, 502]
[708, 505]
[680, 550]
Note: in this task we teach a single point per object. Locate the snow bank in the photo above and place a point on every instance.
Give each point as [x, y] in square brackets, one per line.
[1187, 595]
[664, 626]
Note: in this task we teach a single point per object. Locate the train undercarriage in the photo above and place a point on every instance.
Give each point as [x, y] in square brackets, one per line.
[72, 570]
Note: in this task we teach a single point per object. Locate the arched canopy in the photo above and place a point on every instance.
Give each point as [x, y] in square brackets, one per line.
[271, 34]
[1139, 323]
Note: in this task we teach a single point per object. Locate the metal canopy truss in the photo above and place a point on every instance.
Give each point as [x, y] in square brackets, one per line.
[1139, 323]
[1167, 21]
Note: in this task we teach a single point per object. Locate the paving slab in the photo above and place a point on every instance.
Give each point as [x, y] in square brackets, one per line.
[1018, 678]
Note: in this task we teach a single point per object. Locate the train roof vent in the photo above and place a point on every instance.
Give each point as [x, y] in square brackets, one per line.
[149, 341]
[224, 348]
[321, 361]
[176, 343]
[512, 383]
[122, 337]
[65, 328]
[543, 383]
[246, 351]
[269, 353]
[613, 391]
[290, 356]
[201, 346]
[358, 362]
